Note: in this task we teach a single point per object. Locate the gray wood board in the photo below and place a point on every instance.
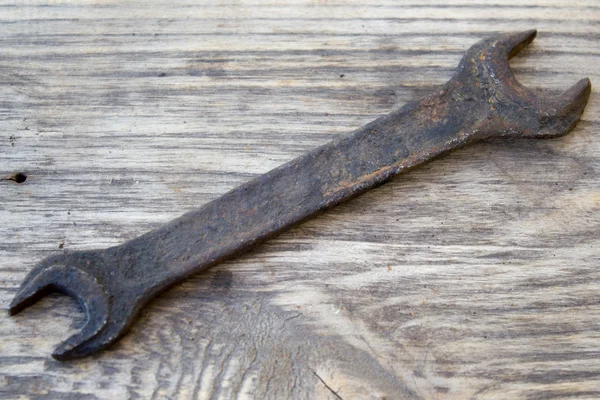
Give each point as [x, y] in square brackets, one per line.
[475, 276]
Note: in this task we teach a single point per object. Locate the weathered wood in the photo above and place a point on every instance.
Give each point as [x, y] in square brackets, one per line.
[475, 276]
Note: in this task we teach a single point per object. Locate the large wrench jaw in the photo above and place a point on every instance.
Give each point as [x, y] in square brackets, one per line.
[83, 276]
[485, 96]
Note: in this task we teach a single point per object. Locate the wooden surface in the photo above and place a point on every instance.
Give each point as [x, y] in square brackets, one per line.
[475, 276]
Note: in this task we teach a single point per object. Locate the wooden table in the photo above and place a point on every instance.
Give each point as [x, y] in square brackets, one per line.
[476, 276]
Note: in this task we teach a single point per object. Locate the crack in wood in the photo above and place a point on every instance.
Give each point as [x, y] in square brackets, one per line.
[327, 386]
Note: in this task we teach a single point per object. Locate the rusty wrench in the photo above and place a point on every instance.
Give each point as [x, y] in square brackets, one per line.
[482, 100]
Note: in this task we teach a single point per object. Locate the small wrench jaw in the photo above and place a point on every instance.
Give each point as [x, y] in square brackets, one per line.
[514, 110]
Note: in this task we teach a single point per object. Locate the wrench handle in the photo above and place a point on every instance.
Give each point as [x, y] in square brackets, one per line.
[301, 188]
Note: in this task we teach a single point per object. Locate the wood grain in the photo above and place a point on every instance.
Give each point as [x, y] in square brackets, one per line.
[475, 276]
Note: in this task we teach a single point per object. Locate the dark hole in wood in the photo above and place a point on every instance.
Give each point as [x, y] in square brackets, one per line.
[18, 177]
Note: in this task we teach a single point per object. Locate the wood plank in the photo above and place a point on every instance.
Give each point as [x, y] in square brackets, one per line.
[475, 276]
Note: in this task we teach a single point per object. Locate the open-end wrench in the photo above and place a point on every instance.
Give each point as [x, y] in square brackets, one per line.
[482, 100]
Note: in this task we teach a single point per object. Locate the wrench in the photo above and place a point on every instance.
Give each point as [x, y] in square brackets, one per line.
[482, 100]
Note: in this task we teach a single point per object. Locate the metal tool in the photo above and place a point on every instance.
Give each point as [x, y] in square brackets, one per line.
[482, 100]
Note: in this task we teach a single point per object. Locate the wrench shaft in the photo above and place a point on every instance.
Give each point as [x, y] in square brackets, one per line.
[295, 191]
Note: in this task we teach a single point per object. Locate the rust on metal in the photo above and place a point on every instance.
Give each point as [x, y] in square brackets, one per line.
[482, 100]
